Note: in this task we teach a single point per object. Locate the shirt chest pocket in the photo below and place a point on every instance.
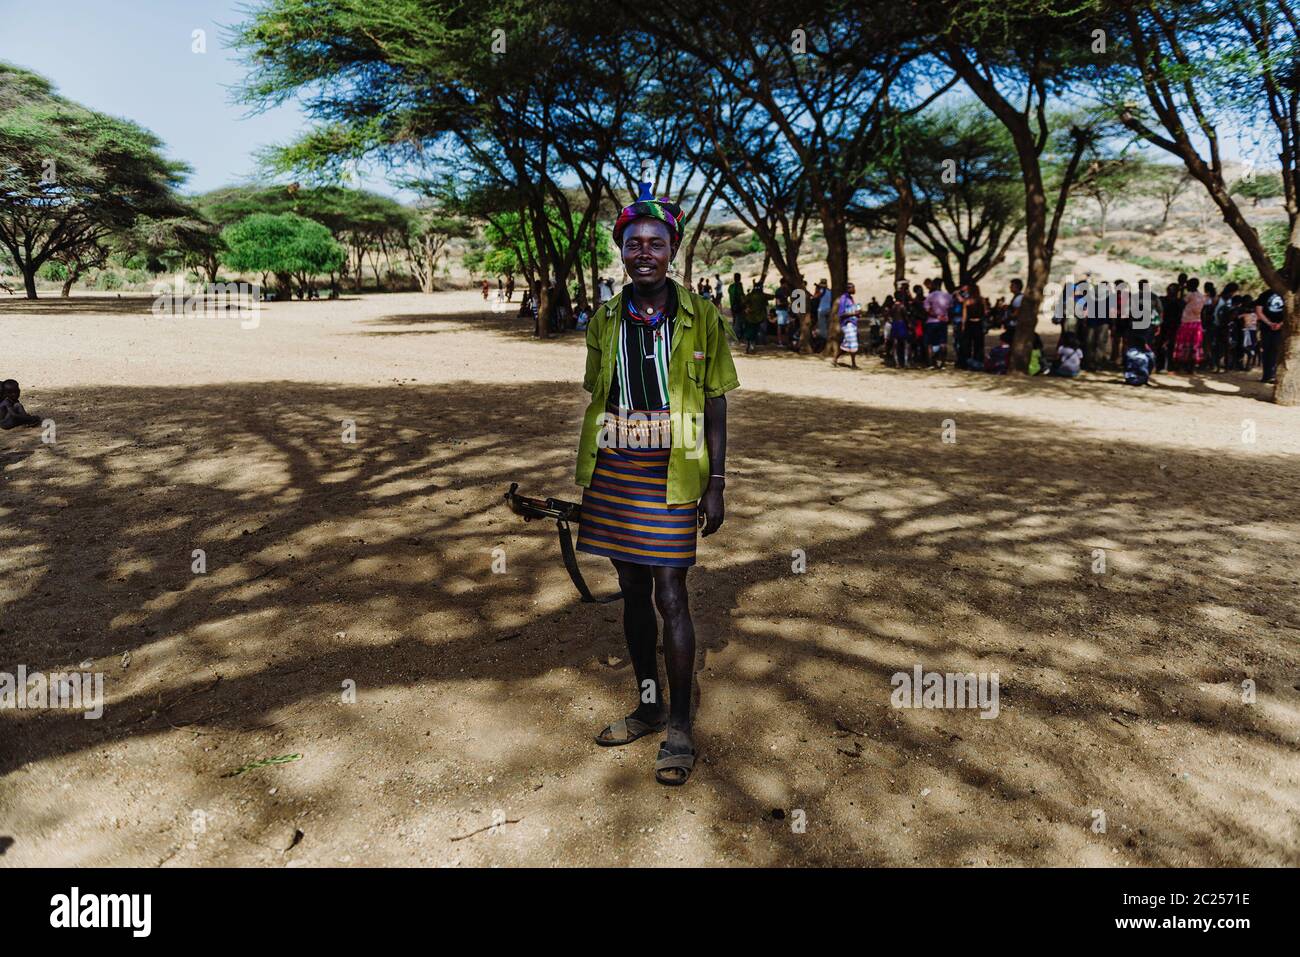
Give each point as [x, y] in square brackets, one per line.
[695, 381]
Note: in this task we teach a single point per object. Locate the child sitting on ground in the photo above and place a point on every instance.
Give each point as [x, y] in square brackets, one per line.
[1139, 360]
[999, 355]
[1068, 357]
[12, 413]
[1036, 355]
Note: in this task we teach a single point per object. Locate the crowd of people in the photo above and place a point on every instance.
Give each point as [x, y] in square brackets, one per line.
[1192, 328]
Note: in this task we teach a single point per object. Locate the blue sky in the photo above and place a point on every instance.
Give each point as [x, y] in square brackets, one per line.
[133, 58]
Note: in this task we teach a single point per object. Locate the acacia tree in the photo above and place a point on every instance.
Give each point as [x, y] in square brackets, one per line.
[514, 97]
[1255, 187]
[74, 262]
[1016, 56]
[1186, 68]
[368, 225]
[177, 242]
[663, 147]
[954, 190]
[291, 247]
[71, 177]
[1166, 183]
[820, 76]
[1104, 179]
[714, 242]
[762, 181]
[428, 236]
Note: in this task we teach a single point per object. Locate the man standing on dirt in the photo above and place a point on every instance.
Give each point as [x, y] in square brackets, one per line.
[736, 299]
[652, 459]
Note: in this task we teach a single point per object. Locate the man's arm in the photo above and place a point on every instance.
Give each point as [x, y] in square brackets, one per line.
[712, 509]
[719, 379]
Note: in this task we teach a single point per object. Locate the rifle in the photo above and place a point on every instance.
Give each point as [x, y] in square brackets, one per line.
[564, 513]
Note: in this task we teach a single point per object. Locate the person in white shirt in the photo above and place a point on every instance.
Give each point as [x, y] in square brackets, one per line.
[1069, 357]
[1013, 307]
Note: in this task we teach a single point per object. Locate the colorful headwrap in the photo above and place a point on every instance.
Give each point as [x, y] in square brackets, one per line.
[647, 207]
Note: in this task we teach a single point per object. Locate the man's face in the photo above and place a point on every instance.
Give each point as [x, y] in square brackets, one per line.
[11, 392]
[647, 250]
[851, 289]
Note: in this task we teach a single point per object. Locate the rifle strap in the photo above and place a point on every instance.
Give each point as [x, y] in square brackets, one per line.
[571, 566]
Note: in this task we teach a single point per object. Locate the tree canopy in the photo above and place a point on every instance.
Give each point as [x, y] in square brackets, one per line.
[291, 247]
[70, 176]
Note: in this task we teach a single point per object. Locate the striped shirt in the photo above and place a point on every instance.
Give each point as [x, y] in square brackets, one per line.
[641, 366]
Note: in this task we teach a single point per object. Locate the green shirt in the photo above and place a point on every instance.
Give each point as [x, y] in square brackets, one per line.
[700, 367]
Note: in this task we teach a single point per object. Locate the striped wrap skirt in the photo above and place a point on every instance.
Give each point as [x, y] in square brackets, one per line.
[625, 515]
[848, 335]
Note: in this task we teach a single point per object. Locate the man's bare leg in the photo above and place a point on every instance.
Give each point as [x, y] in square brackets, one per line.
[679, 653]
[641, 631]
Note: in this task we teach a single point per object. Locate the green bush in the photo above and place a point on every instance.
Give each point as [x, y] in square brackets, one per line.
[1274, 236]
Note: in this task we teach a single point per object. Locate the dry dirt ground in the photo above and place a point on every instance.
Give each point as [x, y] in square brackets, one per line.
[332, 565]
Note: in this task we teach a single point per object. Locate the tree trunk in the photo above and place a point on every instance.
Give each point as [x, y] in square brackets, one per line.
[68, 283]
[945, 269]
[906, 203]
[545, 306]
[29, 281]
[1287, 390]
[805, 334]
[837, 262]
[595, 266]
[1039, 261]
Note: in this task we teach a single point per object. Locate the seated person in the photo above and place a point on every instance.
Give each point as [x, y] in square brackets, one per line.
[999, 356]
[1035, 353]
[12, 413]
[1069, 357]
[1139, 360]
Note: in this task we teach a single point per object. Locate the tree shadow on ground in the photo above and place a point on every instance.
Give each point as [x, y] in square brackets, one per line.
[126, 304]
[371, 562]
[506, 324]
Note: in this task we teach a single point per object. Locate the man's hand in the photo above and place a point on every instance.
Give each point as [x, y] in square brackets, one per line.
[711, 510]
